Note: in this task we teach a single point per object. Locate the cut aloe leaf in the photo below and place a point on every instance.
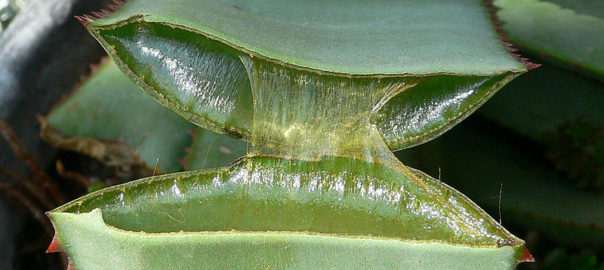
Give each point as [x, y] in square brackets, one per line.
[92, 121]
[188, 56]
[533, 195]
[283, 214]
[322, 91]
[571, 32]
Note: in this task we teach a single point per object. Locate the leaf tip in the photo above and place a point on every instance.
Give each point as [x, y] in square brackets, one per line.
[526, 256]
[531, 65]
[103, 13]
[84, 20]
[54, 245]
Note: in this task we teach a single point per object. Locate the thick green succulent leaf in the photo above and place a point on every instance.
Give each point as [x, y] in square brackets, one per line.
[190, 57]
[414, 37]
[282, 213]
[568, 31]
[533, 195]
[110, 118]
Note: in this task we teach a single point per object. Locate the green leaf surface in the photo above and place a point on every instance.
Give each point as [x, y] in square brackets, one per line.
[192, 62]
[533, 195]
[414, 37]
[104, 247]
[590, 7]
[109, 107]
[568, 31]
[294, 211]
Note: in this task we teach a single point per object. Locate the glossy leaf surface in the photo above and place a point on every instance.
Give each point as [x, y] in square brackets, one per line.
[162, 46]
[569, 31]
[285, 202]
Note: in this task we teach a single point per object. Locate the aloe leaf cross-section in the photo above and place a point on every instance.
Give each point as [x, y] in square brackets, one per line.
[323, 91]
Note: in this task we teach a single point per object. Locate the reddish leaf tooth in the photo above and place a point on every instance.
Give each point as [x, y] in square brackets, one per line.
[526, 256]
[103, 13]
[54, 245]
[503, 37]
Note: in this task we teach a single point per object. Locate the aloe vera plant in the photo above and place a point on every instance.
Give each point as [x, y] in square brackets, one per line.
[323, 92]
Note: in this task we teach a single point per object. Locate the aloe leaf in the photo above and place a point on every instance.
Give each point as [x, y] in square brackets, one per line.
[305, 40]
[283, 214]
[533, 195]
[162, 46]
[571, 32]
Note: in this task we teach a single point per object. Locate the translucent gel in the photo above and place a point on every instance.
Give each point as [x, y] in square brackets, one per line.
[307, 116]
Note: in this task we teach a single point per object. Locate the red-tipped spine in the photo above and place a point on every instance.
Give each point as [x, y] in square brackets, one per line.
[54, 245]
[526, 256]
[94, 67]
[103, 13]
[85, 19]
